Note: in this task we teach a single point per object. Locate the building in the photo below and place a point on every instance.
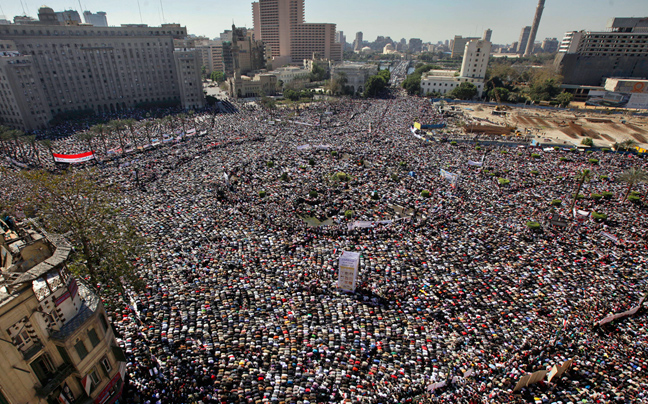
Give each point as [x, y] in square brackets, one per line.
[487, 35]
[531, 46]
[355, 73]
[97, 19]
[415, 45]
[248, 87]
[104, 69]
[589, 57]
[68, 17]
[188, 68]
[289, 74]
[57, 344]
[340, 38]
[22, 101]
[473, 70]
[458, 45]
[524, 39]
[357, 43]
[550, 45]
[280, 25]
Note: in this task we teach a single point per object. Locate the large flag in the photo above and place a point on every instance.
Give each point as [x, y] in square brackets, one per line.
[73, 158]
[475, 163]
[450, 177]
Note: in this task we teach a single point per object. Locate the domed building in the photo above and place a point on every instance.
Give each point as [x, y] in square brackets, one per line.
[366, 50]
[389, 48]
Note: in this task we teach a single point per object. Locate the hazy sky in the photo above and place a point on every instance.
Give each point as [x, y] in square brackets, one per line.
[430, 20]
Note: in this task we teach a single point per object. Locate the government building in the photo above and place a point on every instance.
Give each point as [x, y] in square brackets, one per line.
[48, 69]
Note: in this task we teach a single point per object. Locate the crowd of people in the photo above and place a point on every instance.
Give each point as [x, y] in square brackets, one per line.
[456, 297]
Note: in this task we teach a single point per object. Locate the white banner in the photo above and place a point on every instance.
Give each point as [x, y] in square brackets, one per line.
[475, 163]
[348, 267]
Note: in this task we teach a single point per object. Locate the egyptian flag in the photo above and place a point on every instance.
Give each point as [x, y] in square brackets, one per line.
[73, 158]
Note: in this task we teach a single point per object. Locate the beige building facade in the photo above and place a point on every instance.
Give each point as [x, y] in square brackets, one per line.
[101, 68]
[56, 342]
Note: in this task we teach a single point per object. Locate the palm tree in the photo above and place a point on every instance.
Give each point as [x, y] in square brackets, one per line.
[632, 176]
[48, 145]
[183, 120]
[117, 126]
[16, 135]
[582, 176]
[628, 145]
[100, 130]
[130, 123]
[31, 139]
[147, 130]
[5, 139]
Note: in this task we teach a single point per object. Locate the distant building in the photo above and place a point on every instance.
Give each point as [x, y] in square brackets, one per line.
[487, 35]
[57, 344]
[588, 57]
[357, 44]
[550, 45]
[340, 38]
[458, 45]
[97, 19]
[289, 74]
[248, 87]
[356, 74]
[415, 45]
[473, 70]
[68, 17]
[281, 26]
[524, 39]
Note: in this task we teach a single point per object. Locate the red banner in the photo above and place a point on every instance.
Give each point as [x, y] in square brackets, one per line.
[73, 158]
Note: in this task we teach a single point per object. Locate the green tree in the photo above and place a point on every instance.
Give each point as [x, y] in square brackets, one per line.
[632, 176]
[544, 91]
[412, 84]
[464, 91]
[218, 76]
[77, 205]
[130, 124]
[291, 94]
[374, 86]
[118, 126]
[48, 145]
[318, 73]
[564, 99]
[502, 92]
[587, 141]
[582, 176]
[100, 130]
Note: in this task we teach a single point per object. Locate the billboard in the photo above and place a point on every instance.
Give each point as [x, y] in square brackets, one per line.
[348, 267]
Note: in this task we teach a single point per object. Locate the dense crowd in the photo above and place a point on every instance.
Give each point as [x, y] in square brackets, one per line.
[454, 303]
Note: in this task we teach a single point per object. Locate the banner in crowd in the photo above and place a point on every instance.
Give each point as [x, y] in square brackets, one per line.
[610, 236]
[475, 163]
[17, 163]
[581, 215]
[627, 313]
[348, 271]
[450, 177]
[73, 158]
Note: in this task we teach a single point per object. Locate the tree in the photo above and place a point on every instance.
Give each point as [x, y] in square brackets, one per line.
[48, 145]
[374, 85]
[464, 91]
[117, 126]
[582, 176]
[76, 204]
[501, 91]
[544, 91]
[412, 84]
[564, 99]
[587, 141]
[292, 95]
[218, 76]
[100, 130]
[632, 176]
[337, 85]
[318, 73]
[31, 140]
[130, 124]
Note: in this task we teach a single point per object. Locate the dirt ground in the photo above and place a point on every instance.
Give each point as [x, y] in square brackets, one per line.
[565, 127]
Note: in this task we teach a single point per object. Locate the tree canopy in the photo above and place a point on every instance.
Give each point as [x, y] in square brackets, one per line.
[464, 91]
[217, 76]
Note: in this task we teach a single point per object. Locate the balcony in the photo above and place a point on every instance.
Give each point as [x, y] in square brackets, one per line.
[32, 351]
[58, 377]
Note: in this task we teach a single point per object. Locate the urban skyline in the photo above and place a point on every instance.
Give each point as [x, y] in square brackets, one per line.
[434, 20]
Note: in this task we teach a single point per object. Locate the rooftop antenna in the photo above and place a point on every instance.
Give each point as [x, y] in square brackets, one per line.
[23, 7]
[140, 12]
[80, 7]
[162, 8]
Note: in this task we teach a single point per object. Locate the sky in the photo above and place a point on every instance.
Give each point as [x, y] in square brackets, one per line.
[429, 20]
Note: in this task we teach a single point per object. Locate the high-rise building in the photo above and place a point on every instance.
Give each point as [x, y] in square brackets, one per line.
[415, 45]
[487, 35]
[357, 44]
[57, 343]
[588, 57]
[534, 29]
[340, 38]
[280, 25]
[81, 67]
[550, 45]
[458, 45]
[524, 38]
[68, 17]
[97, 19]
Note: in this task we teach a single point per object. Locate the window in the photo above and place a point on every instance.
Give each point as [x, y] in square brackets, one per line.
[81, 349]
[94, 339]
[64, 355]
[43, 369]
[107, 367]
[94, 377]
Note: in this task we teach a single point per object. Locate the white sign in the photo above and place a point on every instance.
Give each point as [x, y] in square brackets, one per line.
[348, 267]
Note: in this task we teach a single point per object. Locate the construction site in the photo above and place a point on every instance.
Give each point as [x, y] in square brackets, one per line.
[566, 127]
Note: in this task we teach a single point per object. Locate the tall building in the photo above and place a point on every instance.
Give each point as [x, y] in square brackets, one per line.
[534, 29]
[357, 44]
[473, 70]
[588, 57]
[82, 67]
[458, 45]
[415, 45]
[57, 344]
[549, 45]
[524, 39]
[97, 19]
[487, 35]
[289, 39]
[68, 17]
[340, 38]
